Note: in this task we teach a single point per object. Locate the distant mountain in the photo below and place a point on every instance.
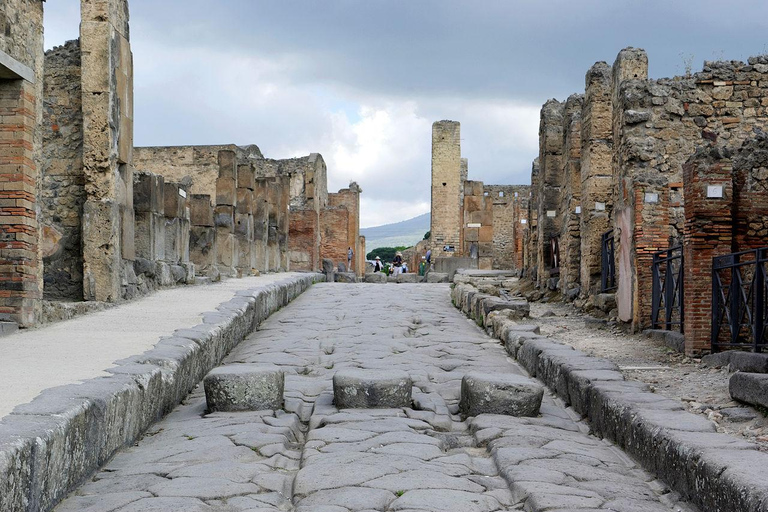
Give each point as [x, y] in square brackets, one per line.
[406, 233]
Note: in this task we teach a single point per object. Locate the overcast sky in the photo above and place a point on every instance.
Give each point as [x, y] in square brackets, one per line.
[362, 81]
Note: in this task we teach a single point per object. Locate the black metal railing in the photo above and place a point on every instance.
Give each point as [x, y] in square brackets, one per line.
[554, 255]
[739, 290]
[607, 262]
[668, 297]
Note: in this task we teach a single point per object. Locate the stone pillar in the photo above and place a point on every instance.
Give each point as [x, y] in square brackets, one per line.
[708, 233]
[597, 177]
[570, 203]
[244, 219]
[202, 235]
[445, 222]
[273, 207]
[532, 245]
[224, 213]
[174, 214]
[107, 92]
[149, 206]
[261, 223]
[550, 183]
[637, 228]
[283, 222]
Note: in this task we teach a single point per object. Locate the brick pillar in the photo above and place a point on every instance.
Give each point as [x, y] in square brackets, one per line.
[596, 173]
[708, 233]
[20, 262]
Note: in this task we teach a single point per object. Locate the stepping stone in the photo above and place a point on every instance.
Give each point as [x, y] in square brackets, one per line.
[369, 389]
[244, 387]
[510, 394]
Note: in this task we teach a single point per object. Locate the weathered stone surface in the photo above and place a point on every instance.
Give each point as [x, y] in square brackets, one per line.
[437, 277]
[499, 394]
[371, 389]
[748, 362]
[244, 387]
[376, 277]
[751, 388]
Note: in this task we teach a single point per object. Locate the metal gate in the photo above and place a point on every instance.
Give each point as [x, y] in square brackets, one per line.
[607, 262]
[739, 290]
[668, 298]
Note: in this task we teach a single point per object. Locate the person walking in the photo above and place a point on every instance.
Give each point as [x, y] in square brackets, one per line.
[397, 263]
[350, 254]
[377, 266]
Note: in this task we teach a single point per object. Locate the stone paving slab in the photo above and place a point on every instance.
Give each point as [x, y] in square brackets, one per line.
[316, 457]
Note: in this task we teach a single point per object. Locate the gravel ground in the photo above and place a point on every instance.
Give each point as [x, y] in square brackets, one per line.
[671, 374]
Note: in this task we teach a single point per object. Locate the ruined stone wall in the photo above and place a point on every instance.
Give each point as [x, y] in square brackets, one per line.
[549, 219]
[597, 177]
[21, 93]
[477, 229]
[570, 197]
[62, 192]
[657, 126]
[446, 218]
[520, 220]
[349, 198]
[502, 197]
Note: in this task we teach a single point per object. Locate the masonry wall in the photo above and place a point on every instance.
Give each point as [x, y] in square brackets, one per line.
[520, 212]
[21, 93]
[503, 223]
[349, 198]
[335, 239]
[63, 181]
[477, 229]
[532, 236]
[446, 218]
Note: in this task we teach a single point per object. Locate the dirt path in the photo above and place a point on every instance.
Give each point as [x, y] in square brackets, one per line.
[703, 390]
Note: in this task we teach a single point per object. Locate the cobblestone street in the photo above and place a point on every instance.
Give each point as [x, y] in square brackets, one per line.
[314, 457]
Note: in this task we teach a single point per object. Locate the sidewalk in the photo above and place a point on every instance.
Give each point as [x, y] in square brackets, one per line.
[83, 348]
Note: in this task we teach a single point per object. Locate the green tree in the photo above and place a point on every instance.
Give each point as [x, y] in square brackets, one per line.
[427, 235]
[385, 253]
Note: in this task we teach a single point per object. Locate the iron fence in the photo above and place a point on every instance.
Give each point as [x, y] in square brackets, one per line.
[607, 262]
[739, 289]
[668, 297]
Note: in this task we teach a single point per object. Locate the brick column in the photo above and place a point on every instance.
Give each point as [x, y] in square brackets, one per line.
[20, 263]
[708, 233]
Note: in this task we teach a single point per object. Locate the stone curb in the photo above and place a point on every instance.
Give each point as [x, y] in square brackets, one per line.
[51, 445]
[714, 471]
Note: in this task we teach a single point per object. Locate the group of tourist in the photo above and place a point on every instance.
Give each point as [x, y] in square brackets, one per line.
[399, 266]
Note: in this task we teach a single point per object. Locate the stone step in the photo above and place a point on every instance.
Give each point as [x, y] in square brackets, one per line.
[509, 394]
[370, 389]
[244, 387]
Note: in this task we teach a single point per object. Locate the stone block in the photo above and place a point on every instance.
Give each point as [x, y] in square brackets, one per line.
[163, 274]
[224, 217]
[346, 277]
[244, 387]
[200, 210]
[173, 202]
[367, 389]
[227, 164]
[202, 246]
[605, 301]
[508, 394]
[376, 277]
[736, 361]
[437, 277]
[246, 177]
[750, 388]
[244, 201]
[410, 277]
[226, 192]
[148, 192]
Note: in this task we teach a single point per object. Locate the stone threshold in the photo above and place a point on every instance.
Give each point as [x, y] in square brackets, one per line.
[53, 444]
[712, 470]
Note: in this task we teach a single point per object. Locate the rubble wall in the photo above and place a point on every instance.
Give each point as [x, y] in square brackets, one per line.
[62, 193]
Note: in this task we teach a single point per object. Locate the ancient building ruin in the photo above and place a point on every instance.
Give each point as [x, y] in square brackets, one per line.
[473, 225]
[640, 182]
[88, 217]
